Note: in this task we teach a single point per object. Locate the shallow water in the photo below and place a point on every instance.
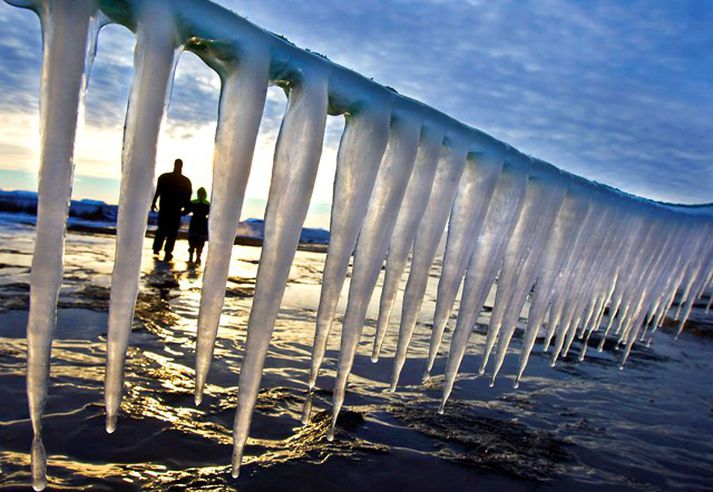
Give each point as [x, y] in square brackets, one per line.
[580, 425]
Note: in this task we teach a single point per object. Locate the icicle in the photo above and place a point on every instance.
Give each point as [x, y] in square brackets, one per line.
[574, 289]
[593, 326]
[474, 193]
[632, 340]
[66, 37]
[626, 237]
[581, 276]
[242, 99]
[648, 280]
[567, 227]
[154, 62]
[589, 314]
[413, 205]
[613, 312]
[498, 225]
[687, 285]
[373, 241]
[527, 272]
[686, 313]
[297, 153]
[448, 174]
[360, 152]
[525, 236]
[382, 214]
[571, 334]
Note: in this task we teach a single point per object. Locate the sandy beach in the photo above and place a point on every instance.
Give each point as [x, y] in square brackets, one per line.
[580, 425]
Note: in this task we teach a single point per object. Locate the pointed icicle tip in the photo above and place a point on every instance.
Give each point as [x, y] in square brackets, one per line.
[374, 358]
[442, 408]
[198, 399]
[516, 384]
[307, 410]
[110, 424]
[492, 382]
[426, 376]
[330, 434]
[237, 460]
[39, 464]
[481, 371]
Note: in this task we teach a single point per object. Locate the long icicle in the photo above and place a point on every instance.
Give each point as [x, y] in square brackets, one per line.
[448, 174]
[360, 152]
[578, 277]
[474, 193]
[412, 207]
[523, 238]
[67, 34]
[154, 62]
[373, 241]
[242, 98]
[297, 153]
[567, 227]
[500, 219]
[528, 272]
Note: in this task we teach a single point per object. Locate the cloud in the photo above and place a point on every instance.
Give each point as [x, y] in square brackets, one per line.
[619, 93]
[20, 52]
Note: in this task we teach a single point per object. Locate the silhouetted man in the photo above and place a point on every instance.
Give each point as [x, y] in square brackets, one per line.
[174, 191]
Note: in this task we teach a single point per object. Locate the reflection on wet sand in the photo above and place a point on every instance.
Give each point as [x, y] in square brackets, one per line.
[566, 427]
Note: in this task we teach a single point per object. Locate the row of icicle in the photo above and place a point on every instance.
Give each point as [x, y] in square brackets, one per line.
[405, 174]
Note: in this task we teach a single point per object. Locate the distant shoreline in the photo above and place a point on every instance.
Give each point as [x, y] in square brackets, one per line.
[239, 240]
[96, 217]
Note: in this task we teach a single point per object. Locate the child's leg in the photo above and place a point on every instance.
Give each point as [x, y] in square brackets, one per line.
[191, 247]
[199, 250]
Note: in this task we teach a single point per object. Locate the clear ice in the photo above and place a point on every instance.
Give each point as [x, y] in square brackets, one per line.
[581, 257]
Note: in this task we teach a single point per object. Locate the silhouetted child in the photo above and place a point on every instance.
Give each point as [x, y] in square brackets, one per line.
[198, 229]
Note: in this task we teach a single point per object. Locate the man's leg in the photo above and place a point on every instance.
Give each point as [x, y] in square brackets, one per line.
[170, 243]
[158, 240]
[172, 225]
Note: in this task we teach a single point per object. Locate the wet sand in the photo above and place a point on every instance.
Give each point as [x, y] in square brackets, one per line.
[580, 425]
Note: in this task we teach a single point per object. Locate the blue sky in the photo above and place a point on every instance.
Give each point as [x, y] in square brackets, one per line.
[617, 91]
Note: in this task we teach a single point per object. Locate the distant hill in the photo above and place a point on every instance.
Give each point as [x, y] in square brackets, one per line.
[97, 216]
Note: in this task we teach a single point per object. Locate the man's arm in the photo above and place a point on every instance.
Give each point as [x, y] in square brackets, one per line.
[156, 194]
[187, 199]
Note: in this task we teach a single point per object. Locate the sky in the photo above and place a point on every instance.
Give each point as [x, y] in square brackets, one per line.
[620, 92]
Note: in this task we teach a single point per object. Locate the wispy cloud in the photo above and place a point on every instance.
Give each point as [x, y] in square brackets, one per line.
[617, 92]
